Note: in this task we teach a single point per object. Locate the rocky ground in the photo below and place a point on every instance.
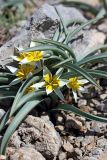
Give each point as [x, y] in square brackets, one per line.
[59, 135]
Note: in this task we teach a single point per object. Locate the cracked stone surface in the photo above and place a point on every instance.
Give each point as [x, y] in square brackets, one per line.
[42, 24]
[24, 153]
[39, 134]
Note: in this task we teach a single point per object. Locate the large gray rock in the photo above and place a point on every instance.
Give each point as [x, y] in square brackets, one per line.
[70, 14]
[42, 24]
[24, 153]
[39, 134]
[86, 41]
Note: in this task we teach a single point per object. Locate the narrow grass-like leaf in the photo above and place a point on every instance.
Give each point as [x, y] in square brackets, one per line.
[56, 35]
[62, 21]
[5, 74]
[4, 120]
[71, 108]
[7, 97]
[94, 73]
[105, 4]
[4, 80]
[73, 33]
[101, 13]
[4, 92]
[63, 62]
[58, 44]
[16, 122]
[21, 91]
[28, 97]
[97, 73]
[46, 48]
[92, 59]
[95, 49]
[10, 3]
[84, 6]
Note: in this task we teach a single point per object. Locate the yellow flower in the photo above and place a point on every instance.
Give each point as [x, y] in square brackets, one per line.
[22, 56]
[24, 71]
[34, 56]
[29, 90]
[51, 83]
[74, 84]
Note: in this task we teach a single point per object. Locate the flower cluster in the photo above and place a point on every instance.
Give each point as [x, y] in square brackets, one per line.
[29, 62]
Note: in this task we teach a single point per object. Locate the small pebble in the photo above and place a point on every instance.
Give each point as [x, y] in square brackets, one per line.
[68, 147]
[82, 102]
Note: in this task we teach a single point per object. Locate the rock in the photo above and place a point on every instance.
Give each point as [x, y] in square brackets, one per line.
[102, 143]
[103, 27]
[85, 108]
[67, 146]
[70, 14]
[103, 96]
[25, 153]
[2, 112]
[96, 152]
[59, 128]
[103, 82]
[92, 158]
[42, 24]
[82, 102]
[78, 151]
[45, 117]
[73, 123]
[90, 39]
[103, 155]
[62, 156]
[98, 127]
[71, 139]
[39, 134]
[87, 140]
[95, 102]
[59, 118]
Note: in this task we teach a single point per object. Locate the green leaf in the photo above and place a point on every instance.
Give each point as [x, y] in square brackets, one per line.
[84, 6]
[10, 3]
[105, 4]
[16, 122]
[5, 74]
[58, 44]
[94, 73]
[23, 100]
[4, 92]
[95, 49]
[4, 80]
[4, 120]
[62, 63]
[92, 59]
[21, 91]
[46, 48]
[62, 21]
[78, 29]
[71, 108]
[6, 97]
[28, 97]
[56, 35]
[97, 73]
